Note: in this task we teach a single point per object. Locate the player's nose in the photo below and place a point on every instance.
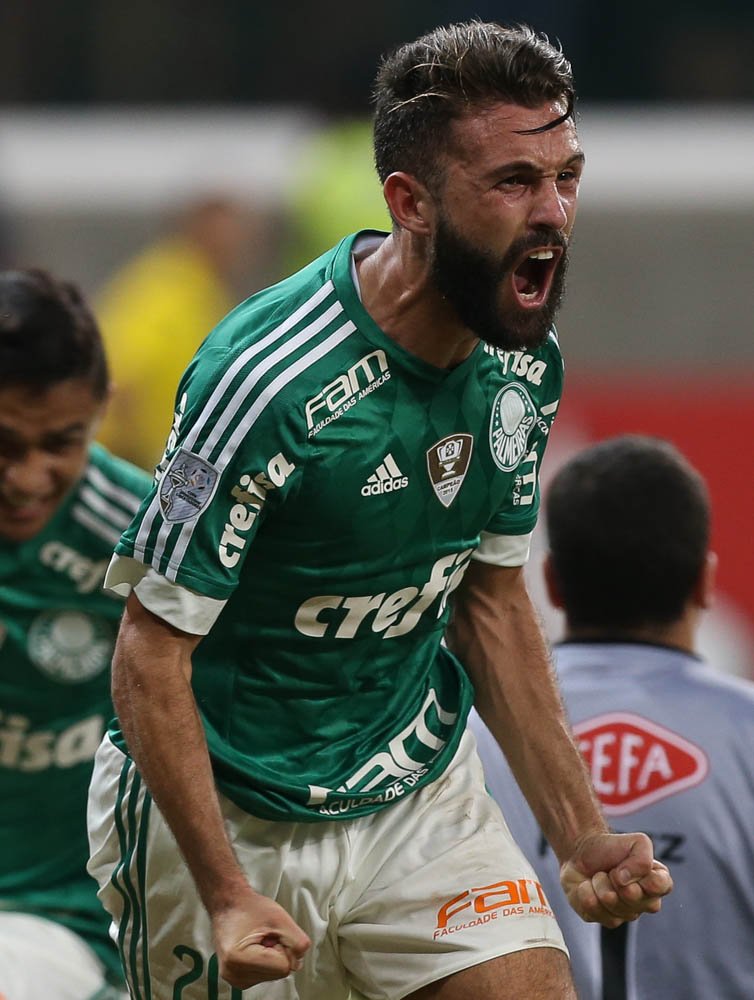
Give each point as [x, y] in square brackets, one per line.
[550, 207]
[27, 477]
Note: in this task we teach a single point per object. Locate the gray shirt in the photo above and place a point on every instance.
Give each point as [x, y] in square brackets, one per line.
[670, 746]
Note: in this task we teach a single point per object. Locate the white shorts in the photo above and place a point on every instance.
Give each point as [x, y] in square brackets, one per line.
[391, 901]
[39, 958]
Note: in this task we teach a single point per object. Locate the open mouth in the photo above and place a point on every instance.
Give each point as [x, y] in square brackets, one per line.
[532, 277]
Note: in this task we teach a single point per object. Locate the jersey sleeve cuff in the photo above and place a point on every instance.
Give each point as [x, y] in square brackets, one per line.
[503, 550]
[123, 574]
[178, 606]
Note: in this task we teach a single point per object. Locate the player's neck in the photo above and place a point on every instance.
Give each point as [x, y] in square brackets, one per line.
[680, 634]
[397, 293]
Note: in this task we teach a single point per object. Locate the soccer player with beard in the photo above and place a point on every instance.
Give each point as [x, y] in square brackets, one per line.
[351, 477]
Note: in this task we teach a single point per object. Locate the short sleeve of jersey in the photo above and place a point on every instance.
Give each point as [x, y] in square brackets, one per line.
[518, 515]
[231, 459]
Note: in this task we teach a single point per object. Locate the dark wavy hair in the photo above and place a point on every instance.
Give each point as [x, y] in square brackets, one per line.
[48, 333]
[423, 86]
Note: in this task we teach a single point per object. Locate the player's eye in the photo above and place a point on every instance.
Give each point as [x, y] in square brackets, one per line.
[569, 177]
[10, 447]
[61, 445]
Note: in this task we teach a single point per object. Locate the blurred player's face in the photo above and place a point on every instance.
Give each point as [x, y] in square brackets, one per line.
[504, 215]
[44, 437]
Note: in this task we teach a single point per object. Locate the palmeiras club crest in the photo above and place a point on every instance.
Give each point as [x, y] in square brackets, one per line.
[186, 487]
[512, 421]
[447, 462]
[70, 646]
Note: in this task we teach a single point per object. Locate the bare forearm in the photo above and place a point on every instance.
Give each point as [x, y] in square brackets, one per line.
[159, 718]
[498, 639]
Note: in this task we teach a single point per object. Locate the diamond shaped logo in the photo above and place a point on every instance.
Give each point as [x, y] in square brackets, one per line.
[634, 762]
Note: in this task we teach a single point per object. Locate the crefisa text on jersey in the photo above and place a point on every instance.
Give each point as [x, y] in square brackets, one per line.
[86, 573]
[250, 494]
[23, 748]
[519, 363]
[396, 614]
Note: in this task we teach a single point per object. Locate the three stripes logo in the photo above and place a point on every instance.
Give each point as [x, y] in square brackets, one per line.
[387, 478]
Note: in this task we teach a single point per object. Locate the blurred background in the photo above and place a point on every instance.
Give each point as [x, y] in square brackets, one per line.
[173, 157]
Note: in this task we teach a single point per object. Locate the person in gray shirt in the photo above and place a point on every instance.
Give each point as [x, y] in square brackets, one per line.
[667, 739]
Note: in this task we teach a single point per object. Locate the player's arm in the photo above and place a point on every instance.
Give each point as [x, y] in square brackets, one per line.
[256, 940]
[495, 632]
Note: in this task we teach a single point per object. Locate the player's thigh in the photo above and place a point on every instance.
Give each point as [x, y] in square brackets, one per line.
[163, 931]
[439, 886]
[533, 974]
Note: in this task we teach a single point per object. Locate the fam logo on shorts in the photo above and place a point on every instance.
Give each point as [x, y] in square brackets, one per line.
[69, 645]
[447, 464]
[635, 762]
[513, 418]
[521, 897]
[186, 487]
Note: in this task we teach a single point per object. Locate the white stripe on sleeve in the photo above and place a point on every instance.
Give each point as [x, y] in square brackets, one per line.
[503, 550]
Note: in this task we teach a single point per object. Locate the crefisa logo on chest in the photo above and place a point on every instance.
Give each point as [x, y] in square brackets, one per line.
[512, 421]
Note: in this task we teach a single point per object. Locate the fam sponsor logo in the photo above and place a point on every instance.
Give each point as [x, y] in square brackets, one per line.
[344, 392]
[341, 617]
[474, 907]
[447, 464]
[250, 494]
[186, 487]
[512, 421]
[87, 574]
[519, 363]
[25, 749]
[393, 770]
[70, 646]
[635, 762]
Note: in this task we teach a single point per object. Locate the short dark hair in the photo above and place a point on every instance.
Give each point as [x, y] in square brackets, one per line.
[628, 522]
[425, 85]
[48, 333]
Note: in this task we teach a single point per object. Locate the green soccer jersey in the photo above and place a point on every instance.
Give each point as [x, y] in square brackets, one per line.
[331, 488]
[57, 629]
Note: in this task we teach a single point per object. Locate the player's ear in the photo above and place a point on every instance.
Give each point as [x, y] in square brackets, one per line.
[705, 586]
[409, 202]
[551, 582]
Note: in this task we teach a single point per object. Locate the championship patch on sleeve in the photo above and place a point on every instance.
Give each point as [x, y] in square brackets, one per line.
[187, 486]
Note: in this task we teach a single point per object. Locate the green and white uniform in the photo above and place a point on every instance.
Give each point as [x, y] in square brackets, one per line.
[323, 493]
[57, 630]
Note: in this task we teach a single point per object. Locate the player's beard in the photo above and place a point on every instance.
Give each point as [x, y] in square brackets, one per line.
[471, 279]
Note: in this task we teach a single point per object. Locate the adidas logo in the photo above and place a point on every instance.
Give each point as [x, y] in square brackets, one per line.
[387, 478]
